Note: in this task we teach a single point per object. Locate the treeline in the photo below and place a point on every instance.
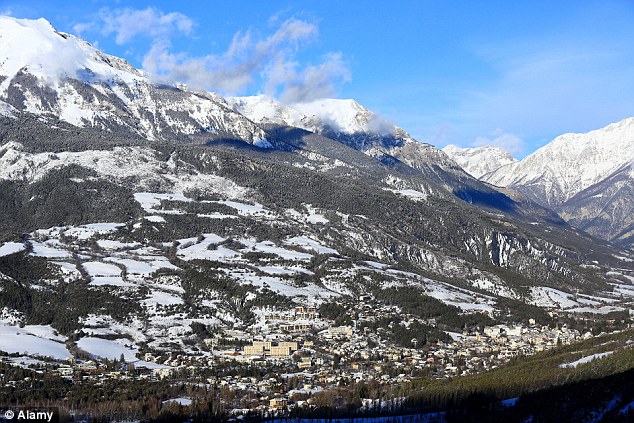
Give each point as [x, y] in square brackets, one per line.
[60, 199]
[412, 301]
[526, 376]
[41, 293]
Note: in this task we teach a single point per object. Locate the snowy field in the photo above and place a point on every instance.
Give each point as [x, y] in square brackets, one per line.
[310, 244]
[584, 360]
[111, 350]
[51, 249]
[96, 269]
[108, 244]
[89, 231]
[271, 248]
[244, 209]
[143, 268]
[33, 340]
[10, 248]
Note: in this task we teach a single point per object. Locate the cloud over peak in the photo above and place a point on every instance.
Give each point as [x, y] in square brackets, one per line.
[251, 63]
[512, 143]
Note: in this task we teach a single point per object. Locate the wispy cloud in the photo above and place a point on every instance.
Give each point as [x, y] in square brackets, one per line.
[543, 90]
[293, 84]
[251, 62]
[512, 143]
[126, 24]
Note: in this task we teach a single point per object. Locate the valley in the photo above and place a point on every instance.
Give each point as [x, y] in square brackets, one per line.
[173, 254]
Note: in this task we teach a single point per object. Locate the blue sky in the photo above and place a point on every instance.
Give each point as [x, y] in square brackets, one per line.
[514, 74]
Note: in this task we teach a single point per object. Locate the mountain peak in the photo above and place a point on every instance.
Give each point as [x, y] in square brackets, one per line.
[264, 109]
[346, 116]
[571, 163]
[341, 116]
[37, 48]
[46, 72]
[479, 161]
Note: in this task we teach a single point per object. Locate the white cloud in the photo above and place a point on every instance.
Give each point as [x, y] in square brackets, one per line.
[126, 24]
[309, 83]
[512, 143]
[251, 63]
[380, 125]
[272, 58]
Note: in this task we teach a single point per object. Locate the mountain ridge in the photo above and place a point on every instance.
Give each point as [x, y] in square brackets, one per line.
[479, 161]
[570, 163]
[65, 76]
[582, 176]
[212, 196]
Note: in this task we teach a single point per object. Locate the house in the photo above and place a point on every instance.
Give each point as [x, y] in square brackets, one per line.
[293, 345]
[266, 345]
[280, 352]
[339, 331]
[278, 402]
[65, 371]
[88, 366]
[494, 331]
[296, 327]
[305, 363]
[308, 313]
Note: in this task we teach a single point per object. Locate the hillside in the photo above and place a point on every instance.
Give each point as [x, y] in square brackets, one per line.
[180, 243]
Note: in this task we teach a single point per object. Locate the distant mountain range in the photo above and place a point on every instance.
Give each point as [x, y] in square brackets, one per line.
[479, 161]
[586, 178]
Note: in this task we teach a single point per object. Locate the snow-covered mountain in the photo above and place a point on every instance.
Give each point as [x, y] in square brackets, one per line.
[342, 116]
[586, 178]
[56, 75]
[264, 109]
[341, 119]
[569, 164]
[479, 161]
[605, 209]
[46, 72]
[350, 123]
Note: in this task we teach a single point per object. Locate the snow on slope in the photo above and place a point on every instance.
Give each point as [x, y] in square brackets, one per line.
[605, 209]
[11, 248]
[346, 116]
[479, 161]
[39, 342]
[264, 109]
[584, 360]
[121, 163]
[35, 46]
[570, 163]
[108, 349]
[327, 114]
[43, 71]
